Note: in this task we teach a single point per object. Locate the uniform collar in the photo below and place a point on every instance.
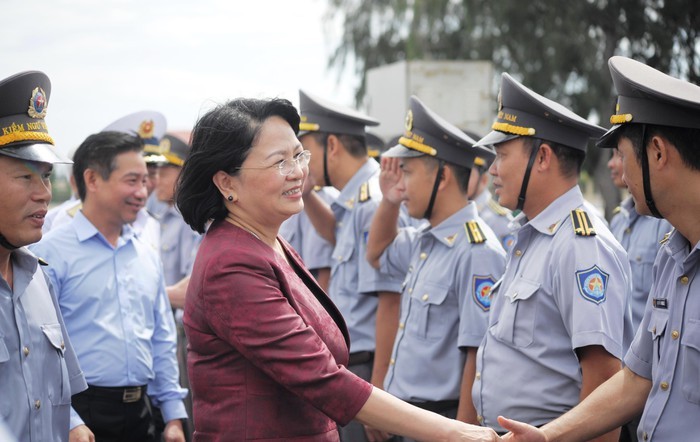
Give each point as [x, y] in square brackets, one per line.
[452, 228]
[553, 216]
[628, 210]
[348, 196]
[24, 259]
[85, 230]
[677, 247]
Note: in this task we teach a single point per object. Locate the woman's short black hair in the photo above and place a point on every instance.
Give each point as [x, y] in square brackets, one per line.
[221, 140]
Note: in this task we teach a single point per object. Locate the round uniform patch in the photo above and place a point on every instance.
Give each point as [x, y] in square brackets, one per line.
[482, 290]
[592, 284]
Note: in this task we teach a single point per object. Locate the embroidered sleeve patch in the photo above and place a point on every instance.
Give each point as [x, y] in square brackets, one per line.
[592, 284]
[481, 287]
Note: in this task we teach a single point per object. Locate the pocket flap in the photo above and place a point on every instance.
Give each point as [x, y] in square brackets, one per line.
[522, 289]
[691, 335]
[657, 323]
[55, 335]
[430, 293]
[343, 251]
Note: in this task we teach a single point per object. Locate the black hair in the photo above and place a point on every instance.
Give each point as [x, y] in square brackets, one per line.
[685, 140]
[221, 141]
[355, 145]
[570, 159]
[460, 173]
[99, 152]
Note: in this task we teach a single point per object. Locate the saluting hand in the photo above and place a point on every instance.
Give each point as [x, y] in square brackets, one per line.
[390, 180]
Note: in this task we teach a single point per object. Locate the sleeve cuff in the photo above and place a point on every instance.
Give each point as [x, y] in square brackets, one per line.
[637, 365]
[75, 419]
[597, 338]
[174, 409]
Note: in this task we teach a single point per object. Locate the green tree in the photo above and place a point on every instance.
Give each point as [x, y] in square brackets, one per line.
[559, 49]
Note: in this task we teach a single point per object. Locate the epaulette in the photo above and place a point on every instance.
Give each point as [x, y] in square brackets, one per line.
[617, 210]
[73, 210]
[42, 262]
[474, 232]
[364, 193]
[666, 237]
[582, 223]
[497, 208]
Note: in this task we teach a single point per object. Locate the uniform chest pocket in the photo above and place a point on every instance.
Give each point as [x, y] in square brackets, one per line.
[641, 262]
[431, 311]
[690, 352]
[342, 253]
[516, 318]
[657, 328]
[56, 369]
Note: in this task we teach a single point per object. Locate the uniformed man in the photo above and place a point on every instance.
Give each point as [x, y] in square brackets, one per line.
[335, 135]
[559, 313]
[657, 132]
[450, 263]
[38, 368]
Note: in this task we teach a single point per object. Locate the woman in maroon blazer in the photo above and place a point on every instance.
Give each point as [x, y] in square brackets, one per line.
[267, 348]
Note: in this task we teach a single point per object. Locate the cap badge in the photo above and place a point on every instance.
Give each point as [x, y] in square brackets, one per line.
[146, 129]
[37, 104]
[409, 121]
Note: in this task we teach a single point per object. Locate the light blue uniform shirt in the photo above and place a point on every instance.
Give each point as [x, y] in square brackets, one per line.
[177, 240]
[316, 252]
[38, 368]
[560, 292]
[354, 282]
[496, 217]
[640, 236]
[444, 303]
[116, 311]
[666, 349]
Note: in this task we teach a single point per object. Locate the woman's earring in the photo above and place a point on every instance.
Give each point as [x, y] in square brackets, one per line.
[230, 198]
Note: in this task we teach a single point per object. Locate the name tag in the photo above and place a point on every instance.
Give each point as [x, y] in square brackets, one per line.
[661, 303]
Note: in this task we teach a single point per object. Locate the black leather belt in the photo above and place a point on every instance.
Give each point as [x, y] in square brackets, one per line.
[118, 394]
[360, 357]
[436, 406]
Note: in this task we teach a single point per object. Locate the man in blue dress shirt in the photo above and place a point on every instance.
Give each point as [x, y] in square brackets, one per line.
[111, 292]
[38, 368]
[657, 131]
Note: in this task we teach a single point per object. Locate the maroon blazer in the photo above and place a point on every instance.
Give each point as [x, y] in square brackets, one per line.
[267, 349]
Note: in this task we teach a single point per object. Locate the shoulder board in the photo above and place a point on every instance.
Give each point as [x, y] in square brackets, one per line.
[73, 210]
[582, 223]
[474, 232]
[497, 208]
[666, 237]
[364, 194]
[42, 262]
[617, 210]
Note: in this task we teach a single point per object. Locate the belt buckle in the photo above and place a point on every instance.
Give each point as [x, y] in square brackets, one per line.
[131, 394]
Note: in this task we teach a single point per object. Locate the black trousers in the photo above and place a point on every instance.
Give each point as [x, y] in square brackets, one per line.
[111, 419]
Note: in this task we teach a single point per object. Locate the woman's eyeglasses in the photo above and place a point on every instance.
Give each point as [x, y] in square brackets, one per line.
[286, 167]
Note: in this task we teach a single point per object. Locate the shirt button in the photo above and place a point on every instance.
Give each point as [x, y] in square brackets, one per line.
[425, 297]
[480, 418]
[628, 230]
[392, 361]
[478, 375]
[410, 290]
[664, 386]
[653, 330]
[340, 258]
[401, 325]
[423, 255]
[675, 334]
[26, 351]
[684, 280]
[645, 436]
[63, 345]
[37, 404]
[518, 252]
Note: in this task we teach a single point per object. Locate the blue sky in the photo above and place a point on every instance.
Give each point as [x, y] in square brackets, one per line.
[112, 57]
